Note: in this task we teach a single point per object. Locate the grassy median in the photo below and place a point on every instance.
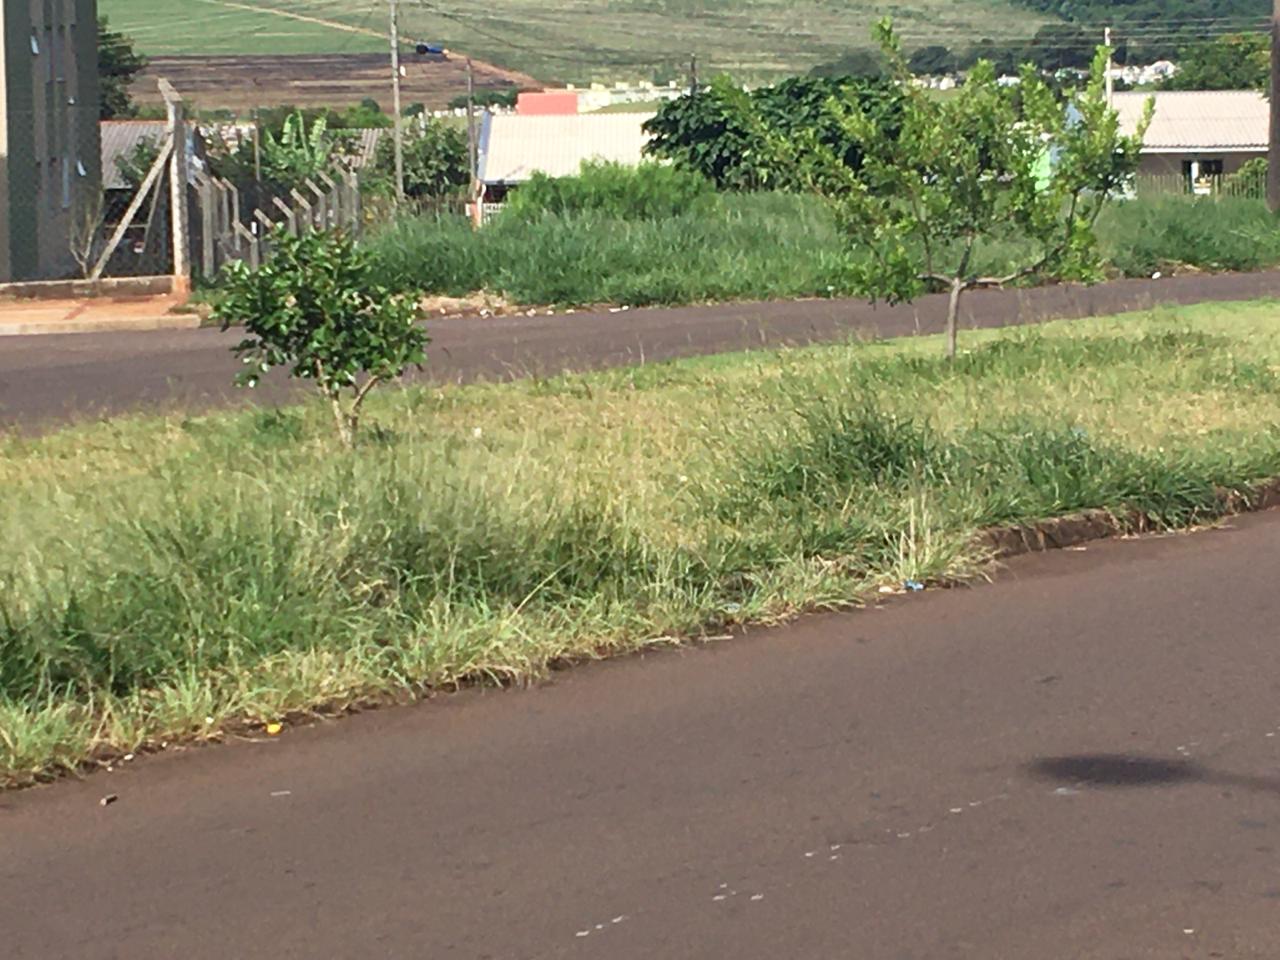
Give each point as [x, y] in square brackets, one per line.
[166, 579]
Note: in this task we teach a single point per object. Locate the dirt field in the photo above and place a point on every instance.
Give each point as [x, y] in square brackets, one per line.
[243, 82]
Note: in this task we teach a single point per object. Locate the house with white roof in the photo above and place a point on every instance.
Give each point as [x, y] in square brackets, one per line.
[513, 147]
[1197, 134]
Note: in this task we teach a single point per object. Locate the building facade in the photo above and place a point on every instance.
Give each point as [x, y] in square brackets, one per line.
[50, 167]
[1197, 135]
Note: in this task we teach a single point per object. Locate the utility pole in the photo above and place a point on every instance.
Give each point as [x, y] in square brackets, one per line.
[1111, 84]
[179, 225]
[472, 143]
[257, 147]
[398, 133]
[1273, 153]
[693, 73]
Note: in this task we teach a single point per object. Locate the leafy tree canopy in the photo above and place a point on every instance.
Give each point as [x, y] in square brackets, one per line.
[1237, 62]
[722, 132]
[118, 64]
[945, 175]
[435, 160]
[315, 309]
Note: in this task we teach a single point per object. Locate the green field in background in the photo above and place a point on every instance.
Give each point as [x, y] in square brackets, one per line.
[579, 40]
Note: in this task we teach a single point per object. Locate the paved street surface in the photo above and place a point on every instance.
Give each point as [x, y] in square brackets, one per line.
[1080, 761]
[46, 379]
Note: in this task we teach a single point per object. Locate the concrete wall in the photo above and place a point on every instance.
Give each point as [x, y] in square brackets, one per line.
[50, 98]
[6, 210]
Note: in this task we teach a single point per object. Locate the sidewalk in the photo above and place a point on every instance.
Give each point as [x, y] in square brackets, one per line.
[94, 315]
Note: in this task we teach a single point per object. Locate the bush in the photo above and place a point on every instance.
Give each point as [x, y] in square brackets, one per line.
[583, 248]
[758, 246]
[1211, 233]
[650, 191]
[314, 308]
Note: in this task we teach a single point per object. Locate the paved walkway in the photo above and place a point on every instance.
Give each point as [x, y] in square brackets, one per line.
[44, 380]
[1078, 762]
[93, 315]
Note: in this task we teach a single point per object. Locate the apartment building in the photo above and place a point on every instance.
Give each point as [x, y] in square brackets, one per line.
[50, 169]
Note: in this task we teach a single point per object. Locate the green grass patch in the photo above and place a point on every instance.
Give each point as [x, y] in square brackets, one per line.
[664, 243]
[166, 578]
[241, 27]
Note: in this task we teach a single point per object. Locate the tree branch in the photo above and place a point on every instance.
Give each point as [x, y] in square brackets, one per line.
[935, 277]
[363, 392]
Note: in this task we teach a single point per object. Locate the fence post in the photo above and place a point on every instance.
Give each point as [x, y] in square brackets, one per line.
[303, 205]
[320, 204]
[332, 202]
[231, 197]
[354, 205]
[178, 186]
[204, 196]
[265, 226]
[290, 216]
[244, 237]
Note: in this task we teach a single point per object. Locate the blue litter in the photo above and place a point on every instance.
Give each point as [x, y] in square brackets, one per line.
[915, 586]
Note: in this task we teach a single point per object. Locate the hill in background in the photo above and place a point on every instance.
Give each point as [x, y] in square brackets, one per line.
[581, 40]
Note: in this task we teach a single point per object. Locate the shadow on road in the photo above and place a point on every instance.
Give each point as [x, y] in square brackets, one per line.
[1122, 771]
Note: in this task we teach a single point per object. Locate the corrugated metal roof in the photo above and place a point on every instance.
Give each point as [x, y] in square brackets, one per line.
[121, 137]
[515, 147]
[1194, 121]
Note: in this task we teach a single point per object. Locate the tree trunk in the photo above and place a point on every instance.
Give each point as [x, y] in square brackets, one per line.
[341, 421]
[953, 316]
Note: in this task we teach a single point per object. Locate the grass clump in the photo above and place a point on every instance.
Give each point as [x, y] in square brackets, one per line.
[651, 191]
[721, 248]
[657, 236]
[1210, 233]
[166, 578]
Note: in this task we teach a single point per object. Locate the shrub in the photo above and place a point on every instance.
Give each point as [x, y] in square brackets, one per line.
[1213, 233]
[314, 308]
[650, 191]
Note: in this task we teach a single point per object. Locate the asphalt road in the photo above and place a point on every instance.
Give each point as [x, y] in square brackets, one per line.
[1080, 761]
[50, 379]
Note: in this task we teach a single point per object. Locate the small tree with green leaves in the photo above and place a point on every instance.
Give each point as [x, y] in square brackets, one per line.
[314, 307]
[435, 161]
[993, 161]
[299, 152]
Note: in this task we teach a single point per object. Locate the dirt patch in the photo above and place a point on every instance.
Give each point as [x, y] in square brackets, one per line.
[241, 83]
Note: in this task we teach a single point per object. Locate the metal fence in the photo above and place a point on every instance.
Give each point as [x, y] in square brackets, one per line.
[1249, 187]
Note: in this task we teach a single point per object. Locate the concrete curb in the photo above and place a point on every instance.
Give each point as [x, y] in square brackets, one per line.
[89, 289]
[1093, 525]
[117, 325]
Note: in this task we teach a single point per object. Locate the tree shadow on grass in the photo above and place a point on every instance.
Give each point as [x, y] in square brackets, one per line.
[1127, 771]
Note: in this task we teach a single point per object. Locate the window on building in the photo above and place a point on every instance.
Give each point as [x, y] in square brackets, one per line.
[1201, 176]
[50, 66]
